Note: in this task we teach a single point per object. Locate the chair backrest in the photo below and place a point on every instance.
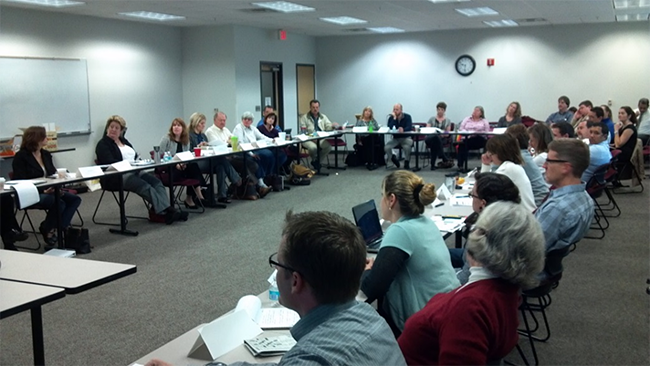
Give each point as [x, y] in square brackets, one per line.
[553, 264]
[597, 182]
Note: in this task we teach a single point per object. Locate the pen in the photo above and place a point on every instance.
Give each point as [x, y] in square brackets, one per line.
[438, 205]
[466, 196]
[452, 217]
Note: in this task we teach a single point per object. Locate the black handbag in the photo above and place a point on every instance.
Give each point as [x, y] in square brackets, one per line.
[78, 239]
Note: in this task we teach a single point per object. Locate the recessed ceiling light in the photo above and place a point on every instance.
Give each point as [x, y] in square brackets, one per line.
[344, 20]
[153, 16]
[632, 17]
[501, 23]
[477, 12]
[627, 4]
[448, 1]
[386, 30]
[52, 3]
[284, 7]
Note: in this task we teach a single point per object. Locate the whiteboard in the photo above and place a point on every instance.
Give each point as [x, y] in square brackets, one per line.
[34, 91]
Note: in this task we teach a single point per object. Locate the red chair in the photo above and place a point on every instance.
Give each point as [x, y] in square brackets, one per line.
[336, 142]
[178, 185]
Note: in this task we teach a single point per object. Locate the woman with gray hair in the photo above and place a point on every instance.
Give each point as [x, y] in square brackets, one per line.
[264, 157]
[477, 322]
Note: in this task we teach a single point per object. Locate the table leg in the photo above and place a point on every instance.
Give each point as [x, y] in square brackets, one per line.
[37, 336]
[212, 202]
[373, 141]
[122, 230]
[417, 155]
[318, 172]
[59, 231]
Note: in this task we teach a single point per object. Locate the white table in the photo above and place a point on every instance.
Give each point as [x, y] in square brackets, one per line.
[74, 275]
[18, 297]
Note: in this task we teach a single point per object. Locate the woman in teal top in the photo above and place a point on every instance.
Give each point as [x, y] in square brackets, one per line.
[413, 261]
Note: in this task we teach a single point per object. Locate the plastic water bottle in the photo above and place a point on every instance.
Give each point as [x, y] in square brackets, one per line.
[167, 156]
[370, 129]
[274, 293]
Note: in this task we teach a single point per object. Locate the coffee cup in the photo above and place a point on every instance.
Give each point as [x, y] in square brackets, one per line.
[282, 136]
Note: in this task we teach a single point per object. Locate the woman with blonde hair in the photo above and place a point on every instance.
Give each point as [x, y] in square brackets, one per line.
[365, 142]
[413, 261]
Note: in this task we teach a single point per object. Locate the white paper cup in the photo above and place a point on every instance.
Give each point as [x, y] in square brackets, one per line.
[62, 171]
[71, 175]
[282, 136]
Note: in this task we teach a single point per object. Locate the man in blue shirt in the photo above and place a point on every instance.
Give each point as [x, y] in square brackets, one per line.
[563, 114]
[566, 214]
[268, 109]
[599, 153]
[401, 122]
[319, 264]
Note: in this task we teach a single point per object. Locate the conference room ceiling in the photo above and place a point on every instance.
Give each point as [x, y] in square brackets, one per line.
[409, 15]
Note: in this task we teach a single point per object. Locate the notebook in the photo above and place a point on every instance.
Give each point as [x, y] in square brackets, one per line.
[367, 219]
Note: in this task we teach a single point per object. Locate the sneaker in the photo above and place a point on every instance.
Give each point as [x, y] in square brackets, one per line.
[263, 191]
[394, 160]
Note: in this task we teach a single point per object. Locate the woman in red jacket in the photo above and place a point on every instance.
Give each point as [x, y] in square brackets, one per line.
[477, 322]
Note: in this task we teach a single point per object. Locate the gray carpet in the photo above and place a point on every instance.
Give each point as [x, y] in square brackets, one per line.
[190, 273]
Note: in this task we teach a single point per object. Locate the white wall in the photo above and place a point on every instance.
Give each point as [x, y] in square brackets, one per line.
[534, 65]
[133, 70]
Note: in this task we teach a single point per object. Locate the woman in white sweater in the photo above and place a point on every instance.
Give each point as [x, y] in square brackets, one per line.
[504, 157]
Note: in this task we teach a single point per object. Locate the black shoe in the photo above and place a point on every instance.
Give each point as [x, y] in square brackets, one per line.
[394, 160]
[433, 167]
[14, 236]
[50, 241]
[407, 164]
[183, 215]
[224, 200]
[171, 215]
[316, 166]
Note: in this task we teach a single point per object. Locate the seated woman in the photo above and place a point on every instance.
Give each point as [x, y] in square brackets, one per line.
[9, 228]
[488, 188]
[32, 161]
[503, 157]
[476, 324]
[434, 142]
[178, 140]
[264, 157]
[113, 147]
[369, 148]
[512, 117]
[474, 123]
[269, 129]
[540, 135]
[625, 135]
[413, 261]
[221, 166]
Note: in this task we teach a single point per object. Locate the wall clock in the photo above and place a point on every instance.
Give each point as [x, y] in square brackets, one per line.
[465, 65]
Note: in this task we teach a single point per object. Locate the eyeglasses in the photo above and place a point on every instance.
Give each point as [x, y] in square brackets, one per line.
[474, 195]
[556, 161]
[275, 264]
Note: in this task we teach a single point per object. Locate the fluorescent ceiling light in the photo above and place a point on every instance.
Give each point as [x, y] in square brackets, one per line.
[386, 30]
[448, 1]
[477, 12]
[632, 17]
[284, 7]
[630, 4]
[501, 23]
[344, 20]
[52, 3]
[153, 16]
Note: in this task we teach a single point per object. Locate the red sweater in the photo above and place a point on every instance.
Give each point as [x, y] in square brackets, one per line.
[467, 326]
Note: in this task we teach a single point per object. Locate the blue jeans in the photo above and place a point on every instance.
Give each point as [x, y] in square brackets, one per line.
[68, 204]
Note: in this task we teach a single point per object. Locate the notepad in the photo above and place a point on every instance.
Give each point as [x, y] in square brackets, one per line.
[269, 346]
[267, 318]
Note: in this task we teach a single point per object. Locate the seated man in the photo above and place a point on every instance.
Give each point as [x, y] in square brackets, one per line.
[563, 114]
[310, 123]
[599, 153]
[643, 118]
[566, 214]
[562, 130]
[582, 113]
[582, 131]
[319, 263]
[402, 123]
[219, 132]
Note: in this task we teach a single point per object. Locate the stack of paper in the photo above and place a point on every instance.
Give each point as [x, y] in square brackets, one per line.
[269, 346]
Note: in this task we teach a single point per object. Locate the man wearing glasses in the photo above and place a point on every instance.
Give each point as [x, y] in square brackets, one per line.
[567, 212]
[319, 262]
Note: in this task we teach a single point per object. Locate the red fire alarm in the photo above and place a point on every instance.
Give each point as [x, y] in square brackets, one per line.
[490, 62]
[282, 34]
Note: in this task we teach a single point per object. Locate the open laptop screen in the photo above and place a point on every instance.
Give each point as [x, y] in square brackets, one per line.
[367, 219]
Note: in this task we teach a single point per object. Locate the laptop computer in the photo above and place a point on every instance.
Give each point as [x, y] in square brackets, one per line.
[367, 219]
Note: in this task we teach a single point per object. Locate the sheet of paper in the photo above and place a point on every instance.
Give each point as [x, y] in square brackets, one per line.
[27, 194]
[323, 133]
[120, 166]
[251, 305]
[359, 129]
[383, 129]
[184, 156]
[302, 137]
[277, 318]
[430, 130]
[499, 130]
[225, 334]
[261, 143]
[90, 171]
[246, 146]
